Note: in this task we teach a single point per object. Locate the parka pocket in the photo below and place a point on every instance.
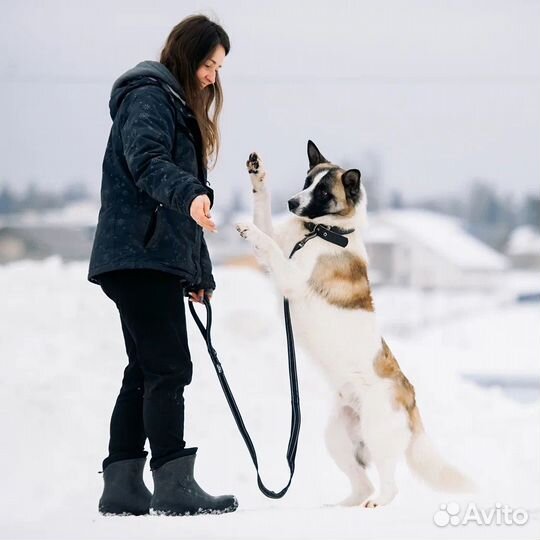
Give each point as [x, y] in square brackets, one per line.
[152, 229]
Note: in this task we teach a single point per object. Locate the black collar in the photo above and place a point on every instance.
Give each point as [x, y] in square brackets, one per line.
[311, 226]
[335, 235]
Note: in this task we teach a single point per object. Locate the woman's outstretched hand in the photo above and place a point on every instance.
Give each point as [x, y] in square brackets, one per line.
[200, 213]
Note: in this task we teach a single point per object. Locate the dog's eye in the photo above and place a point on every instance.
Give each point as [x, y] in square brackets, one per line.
[323, 193]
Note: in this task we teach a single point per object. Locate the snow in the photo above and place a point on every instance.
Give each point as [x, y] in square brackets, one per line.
[524, 240]
[443, 235]
[63, 357]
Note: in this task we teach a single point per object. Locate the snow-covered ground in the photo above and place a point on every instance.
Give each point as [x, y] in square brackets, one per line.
[62, 360]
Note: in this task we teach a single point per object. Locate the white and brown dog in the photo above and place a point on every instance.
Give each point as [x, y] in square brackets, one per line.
[376, 419]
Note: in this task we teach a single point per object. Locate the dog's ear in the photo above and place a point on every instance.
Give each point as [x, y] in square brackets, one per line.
[315, 157]
[351, 183]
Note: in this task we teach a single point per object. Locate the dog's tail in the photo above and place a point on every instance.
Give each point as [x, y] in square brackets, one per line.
[426, 462]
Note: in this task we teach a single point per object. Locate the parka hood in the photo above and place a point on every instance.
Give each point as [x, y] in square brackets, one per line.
[144, 73]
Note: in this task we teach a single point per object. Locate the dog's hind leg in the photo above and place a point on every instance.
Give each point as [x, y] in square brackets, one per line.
[387, 436]
[262, 212]
[386, 468]
[349, 453]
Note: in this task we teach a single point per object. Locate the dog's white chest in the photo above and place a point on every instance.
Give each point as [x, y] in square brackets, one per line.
[343, 343]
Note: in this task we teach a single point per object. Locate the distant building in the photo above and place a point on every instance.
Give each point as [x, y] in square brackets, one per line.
[419, 248]
[523, 248]
[68, 232]
[70, 243]
[414, 248]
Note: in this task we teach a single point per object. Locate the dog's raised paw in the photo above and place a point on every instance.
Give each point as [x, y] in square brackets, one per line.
[253, 235]
[243, 229]
[253, 163]
[256, 170]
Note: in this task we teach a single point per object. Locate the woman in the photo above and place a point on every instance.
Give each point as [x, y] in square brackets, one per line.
[149, 251]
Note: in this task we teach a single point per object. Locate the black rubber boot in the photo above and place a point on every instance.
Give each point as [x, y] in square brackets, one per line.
[124, 492]
[176, 493]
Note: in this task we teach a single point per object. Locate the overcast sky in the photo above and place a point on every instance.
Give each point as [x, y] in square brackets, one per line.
[436, 93]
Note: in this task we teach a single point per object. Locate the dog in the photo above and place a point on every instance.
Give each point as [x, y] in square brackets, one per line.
[375, 418]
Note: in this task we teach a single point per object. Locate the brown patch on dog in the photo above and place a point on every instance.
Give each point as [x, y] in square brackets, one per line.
[387, 367]
[338, 190]
[342, 281]
[321, 167]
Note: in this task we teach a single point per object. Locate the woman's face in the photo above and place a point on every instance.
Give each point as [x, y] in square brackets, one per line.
[206, 74]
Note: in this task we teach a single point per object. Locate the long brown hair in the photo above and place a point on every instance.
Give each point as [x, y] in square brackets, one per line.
[190, 43]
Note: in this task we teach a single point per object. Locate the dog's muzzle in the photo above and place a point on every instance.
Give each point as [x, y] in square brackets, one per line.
[293, 204]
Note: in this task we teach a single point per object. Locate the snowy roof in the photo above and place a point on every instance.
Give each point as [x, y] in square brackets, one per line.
[524, 240]
[443, 235]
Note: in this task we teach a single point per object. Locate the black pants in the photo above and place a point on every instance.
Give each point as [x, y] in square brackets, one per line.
[151, 399]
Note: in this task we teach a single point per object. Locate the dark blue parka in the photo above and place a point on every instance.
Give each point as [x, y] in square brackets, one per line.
[152, 171]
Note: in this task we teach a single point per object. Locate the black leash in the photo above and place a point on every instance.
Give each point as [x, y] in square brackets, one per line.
[295, 402]
[331, 234]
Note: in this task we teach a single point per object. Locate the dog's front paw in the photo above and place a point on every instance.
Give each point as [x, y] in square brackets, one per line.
[253, 235]
[243, 229]
[256, 171]
[254, 164]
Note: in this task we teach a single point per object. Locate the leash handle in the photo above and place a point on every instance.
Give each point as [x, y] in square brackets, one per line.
[293, 380]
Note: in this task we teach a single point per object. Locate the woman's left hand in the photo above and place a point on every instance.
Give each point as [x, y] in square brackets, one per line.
[199, 295]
